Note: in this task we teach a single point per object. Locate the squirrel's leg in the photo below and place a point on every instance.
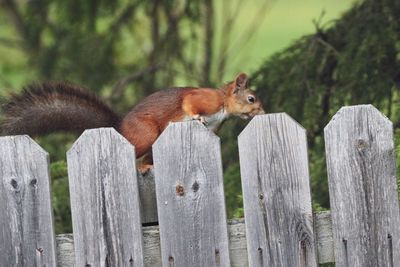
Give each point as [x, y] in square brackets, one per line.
[142, 133]
[146, 163]
[193, 110]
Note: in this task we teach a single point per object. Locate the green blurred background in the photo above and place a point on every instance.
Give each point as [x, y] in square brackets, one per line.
[307, 58]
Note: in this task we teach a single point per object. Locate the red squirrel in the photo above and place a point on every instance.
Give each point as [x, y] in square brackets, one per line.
[44, 108]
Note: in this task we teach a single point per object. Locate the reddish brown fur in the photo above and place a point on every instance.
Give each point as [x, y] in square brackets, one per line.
[236, 101]
[149, 118]
[202, 101]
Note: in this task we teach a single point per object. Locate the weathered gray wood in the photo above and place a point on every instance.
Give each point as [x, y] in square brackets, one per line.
[190, 196]
[65, 250]
[148, 201]
[104, 200]
[237, 243]
[26, 221]
[362, 185]
[152, 250]
[323, 237]
[276, 192]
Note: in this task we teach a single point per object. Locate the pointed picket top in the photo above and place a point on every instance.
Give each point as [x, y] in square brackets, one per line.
[362, 185]
[105, 204]
[263, 118]
[107, 131]
[343, 111]
[22, 140]
[276, 192]
[26, 220]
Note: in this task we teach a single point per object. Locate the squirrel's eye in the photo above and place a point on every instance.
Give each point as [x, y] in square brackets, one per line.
[251, 99]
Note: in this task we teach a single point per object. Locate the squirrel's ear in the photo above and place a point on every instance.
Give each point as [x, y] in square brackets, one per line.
[240, 82]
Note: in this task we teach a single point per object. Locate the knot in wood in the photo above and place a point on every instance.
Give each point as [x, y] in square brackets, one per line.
[195, 186]
[180, 190]
[33, 182]
[361, 144]
[14, 183]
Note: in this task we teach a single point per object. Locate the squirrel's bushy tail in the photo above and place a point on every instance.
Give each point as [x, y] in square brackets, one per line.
[49, 107]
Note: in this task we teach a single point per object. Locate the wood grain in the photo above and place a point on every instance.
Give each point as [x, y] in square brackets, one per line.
[276, 192]
[105, 200]
[362, 184]
[323, 237]
[26, 221]
[190, 196]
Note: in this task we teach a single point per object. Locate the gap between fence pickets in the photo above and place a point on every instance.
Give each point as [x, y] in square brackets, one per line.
[237, 243]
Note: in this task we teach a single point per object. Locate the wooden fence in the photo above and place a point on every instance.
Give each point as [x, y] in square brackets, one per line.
[109, 201]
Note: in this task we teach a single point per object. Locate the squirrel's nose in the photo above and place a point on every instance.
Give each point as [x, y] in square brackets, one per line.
[261, 111]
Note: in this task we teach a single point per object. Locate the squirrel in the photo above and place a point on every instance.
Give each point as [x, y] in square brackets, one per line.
[49, 107]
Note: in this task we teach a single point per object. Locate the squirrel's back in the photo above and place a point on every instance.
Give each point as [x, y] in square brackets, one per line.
[53, 106]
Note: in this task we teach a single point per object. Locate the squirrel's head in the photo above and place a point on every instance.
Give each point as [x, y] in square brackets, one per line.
[241, 101]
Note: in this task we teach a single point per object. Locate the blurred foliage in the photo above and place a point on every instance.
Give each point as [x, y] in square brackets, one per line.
[125, 50]
[60, 194]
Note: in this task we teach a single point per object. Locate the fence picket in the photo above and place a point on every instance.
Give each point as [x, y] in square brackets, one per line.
[190, 197]
[104, 200]
[362, 184]
[276, 192]
[26, 221]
